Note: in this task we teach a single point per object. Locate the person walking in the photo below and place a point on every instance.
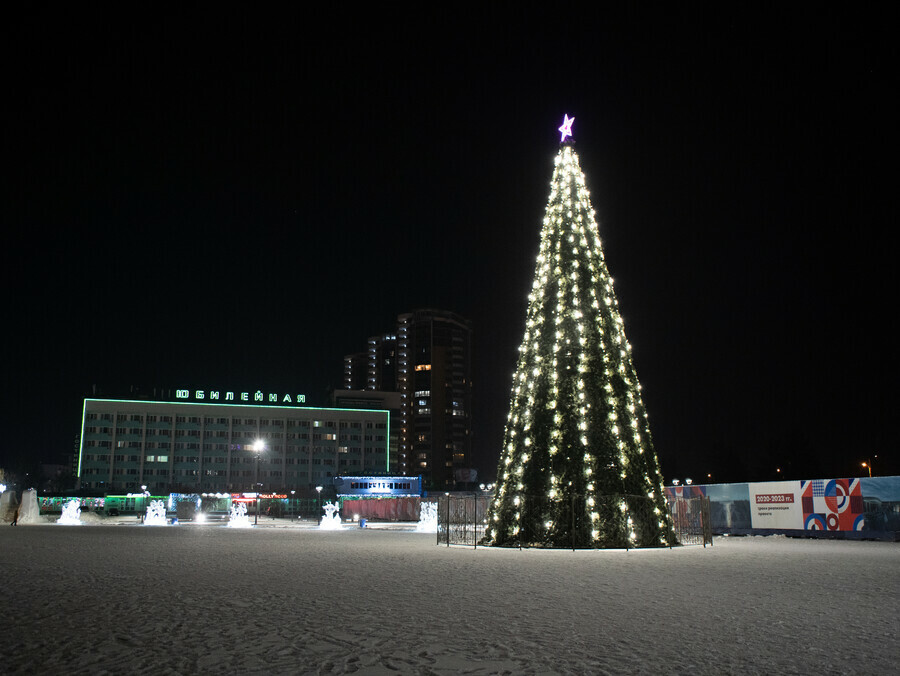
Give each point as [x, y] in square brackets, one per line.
[15, 520]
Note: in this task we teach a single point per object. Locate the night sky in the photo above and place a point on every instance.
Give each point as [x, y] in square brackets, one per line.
[227, 200]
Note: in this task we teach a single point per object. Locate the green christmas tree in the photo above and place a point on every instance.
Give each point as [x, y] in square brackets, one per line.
[578, 466]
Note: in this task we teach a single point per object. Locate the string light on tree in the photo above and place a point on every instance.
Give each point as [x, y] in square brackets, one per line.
[577, 462]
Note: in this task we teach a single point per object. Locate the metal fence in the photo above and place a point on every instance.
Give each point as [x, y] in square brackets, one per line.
[691, 521]
[462, 520]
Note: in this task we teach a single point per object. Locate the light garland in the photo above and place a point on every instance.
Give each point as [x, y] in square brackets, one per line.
[570, 432]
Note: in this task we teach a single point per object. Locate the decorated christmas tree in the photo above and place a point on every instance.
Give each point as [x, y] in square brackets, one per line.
[577, 466]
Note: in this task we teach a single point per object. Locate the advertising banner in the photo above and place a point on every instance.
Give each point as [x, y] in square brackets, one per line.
[776, 504]
[833, 504]
[870, 505]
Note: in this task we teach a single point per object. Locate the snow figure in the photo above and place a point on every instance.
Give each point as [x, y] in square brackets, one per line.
[577, 467]
[332, 518]
[71, 514]
[29, 512]
[239, 518]
[8, 504]
[427, 518]
[156, 514]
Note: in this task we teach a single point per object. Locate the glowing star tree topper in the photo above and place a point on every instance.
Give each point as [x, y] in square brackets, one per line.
[566, 128]
[577, 467]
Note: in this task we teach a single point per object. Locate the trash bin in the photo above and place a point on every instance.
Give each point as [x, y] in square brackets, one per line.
[362, 523]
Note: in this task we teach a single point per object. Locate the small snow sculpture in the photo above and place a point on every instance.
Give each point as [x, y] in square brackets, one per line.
[427, 518]
[239, 518]
[71, 514]
[156, 514]
[332, 518]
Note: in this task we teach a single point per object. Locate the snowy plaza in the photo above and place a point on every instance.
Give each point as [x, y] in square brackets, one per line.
[292, 599]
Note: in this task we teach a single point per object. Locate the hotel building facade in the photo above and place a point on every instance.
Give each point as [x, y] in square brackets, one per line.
[192, 446]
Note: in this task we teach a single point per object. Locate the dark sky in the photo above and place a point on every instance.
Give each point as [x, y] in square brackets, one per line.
[234, 200]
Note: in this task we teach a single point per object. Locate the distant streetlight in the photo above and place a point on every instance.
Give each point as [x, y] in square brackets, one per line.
[259, 446]
[319, 503]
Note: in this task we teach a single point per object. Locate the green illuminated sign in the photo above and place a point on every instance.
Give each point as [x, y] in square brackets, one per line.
[216, 395]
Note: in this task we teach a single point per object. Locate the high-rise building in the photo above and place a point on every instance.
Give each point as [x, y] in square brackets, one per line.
[427, 360]
[374, 369]
[356, 371]
[381, 373]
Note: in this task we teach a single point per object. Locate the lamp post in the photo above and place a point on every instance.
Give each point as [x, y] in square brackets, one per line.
[259, 446]
[144, 510]
[868, 465]
[319, 503]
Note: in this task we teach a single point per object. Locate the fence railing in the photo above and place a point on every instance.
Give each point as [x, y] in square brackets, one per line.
[691, 521]
[462, 520]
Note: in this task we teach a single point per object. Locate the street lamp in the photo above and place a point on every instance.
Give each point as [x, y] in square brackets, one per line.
[868, 465]
[259, 446]
[319, 503]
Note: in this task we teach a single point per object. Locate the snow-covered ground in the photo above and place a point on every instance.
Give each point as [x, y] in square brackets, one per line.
[209, 599]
